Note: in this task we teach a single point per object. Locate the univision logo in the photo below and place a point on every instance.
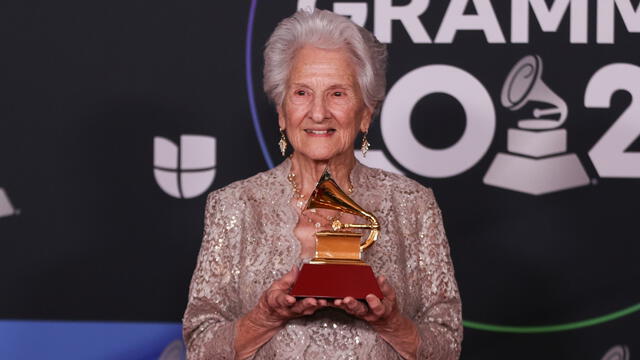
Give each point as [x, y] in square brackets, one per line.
[187, 170]
[6, 209]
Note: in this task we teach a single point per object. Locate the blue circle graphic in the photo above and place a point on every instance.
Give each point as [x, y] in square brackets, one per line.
[249, 76]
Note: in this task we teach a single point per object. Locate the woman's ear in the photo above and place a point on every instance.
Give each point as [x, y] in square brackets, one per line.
[282, 123]
[367, 118]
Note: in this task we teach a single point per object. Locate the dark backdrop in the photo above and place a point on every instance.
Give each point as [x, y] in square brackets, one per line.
[88, 233]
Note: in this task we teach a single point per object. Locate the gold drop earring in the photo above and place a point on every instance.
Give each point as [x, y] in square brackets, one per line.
[365, 144]
[282, 143]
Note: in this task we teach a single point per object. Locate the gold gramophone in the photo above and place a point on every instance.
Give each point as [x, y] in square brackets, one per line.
[337, 270]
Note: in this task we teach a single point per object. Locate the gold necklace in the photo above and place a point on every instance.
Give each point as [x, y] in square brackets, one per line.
[296, 192]
[300, 202]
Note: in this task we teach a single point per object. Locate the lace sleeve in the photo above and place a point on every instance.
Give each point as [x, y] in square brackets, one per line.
[213, 307]
[439, 318]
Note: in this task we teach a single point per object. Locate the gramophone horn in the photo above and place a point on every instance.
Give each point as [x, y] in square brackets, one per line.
[328, 195]
[524, 84]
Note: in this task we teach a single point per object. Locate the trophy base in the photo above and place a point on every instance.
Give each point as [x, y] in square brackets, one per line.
[336, 281]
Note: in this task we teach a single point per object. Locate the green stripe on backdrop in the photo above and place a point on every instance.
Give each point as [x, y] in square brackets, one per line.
[552, 328]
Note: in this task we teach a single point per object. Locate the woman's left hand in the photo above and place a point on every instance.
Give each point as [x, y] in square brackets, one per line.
[385, 318]
[378, 313]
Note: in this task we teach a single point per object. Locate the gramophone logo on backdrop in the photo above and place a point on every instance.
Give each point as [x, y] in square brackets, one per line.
[537, 161]
[618, 352]
[6, 209]
[187, 170]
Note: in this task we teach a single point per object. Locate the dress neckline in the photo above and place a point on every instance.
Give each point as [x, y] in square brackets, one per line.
[354, 177]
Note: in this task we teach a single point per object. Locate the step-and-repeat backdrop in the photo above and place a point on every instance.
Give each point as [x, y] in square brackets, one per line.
[118, 118]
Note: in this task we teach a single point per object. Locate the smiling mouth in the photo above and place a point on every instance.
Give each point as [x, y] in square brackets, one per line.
[320, 132]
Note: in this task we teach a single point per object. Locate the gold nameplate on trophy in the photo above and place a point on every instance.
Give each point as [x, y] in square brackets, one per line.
[335, 247]
[337, 270]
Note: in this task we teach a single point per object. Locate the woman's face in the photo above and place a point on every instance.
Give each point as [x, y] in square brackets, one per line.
[323, 110]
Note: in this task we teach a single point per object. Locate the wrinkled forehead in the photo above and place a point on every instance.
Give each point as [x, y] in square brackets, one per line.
[314, 65]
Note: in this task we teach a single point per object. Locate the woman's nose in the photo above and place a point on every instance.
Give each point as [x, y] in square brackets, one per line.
[319, 111]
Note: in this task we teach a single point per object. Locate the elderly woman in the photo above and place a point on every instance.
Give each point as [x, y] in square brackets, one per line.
[326, 76]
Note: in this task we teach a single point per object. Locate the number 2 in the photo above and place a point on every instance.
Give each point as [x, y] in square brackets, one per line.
[608, 154]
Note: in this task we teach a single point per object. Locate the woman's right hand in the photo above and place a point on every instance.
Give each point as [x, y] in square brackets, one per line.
[274, 308]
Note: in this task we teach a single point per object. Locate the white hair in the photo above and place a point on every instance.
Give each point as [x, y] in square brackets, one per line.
[324, 29]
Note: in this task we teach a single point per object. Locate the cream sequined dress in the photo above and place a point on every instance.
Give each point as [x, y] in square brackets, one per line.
[249, 243]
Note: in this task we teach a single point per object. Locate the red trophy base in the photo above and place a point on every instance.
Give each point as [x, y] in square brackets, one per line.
[336, 281]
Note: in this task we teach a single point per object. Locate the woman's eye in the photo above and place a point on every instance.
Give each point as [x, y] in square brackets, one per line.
[301, 93]
[338, 93]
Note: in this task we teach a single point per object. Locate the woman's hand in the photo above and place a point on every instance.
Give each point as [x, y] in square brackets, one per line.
[275, 307]
[378, 313]
[385, 318]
